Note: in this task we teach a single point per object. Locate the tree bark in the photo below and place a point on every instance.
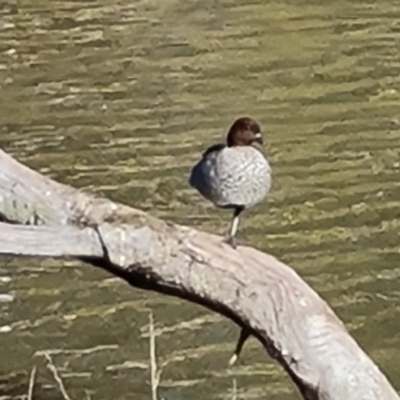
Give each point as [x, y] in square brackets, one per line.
[297, 328]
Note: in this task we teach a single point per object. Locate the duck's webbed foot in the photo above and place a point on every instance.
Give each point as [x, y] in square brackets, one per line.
[231, 240]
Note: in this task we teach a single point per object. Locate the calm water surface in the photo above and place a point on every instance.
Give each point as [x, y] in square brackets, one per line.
[119, 98]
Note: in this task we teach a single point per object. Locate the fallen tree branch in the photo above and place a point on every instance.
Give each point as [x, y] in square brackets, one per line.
[296, 327]
[49, 241]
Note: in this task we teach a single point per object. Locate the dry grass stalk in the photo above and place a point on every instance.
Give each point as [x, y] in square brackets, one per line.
[56, 375]
[32, 383]
[155, 376]
[234, 389]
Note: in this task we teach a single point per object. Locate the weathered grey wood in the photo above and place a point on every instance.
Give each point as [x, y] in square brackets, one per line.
[296, 327]
[49, 241]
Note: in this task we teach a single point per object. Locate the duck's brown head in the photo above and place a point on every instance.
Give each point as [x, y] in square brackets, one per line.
[244, 132]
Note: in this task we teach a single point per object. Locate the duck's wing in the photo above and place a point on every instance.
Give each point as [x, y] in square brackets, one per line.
[203, 174]
[214, 148]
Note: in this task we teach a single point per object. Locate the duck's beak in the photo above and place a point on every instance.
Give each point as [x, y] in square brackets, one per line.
[258, 138]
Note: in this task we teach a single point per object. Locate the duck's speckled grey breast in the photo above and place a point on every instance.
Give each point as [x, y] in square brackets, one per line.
[232, 176]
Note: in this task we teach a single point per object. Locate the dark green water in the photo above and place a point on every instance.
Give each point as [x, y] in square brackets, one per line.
[119, 98]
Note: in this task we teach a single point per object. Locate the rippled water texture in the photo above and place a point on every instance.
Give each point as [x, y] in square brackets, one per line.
[119, 98]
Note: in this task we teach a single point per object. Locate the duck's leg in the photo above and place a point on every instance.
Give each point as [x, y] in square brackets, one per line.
[234, 225]
[244, 335]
